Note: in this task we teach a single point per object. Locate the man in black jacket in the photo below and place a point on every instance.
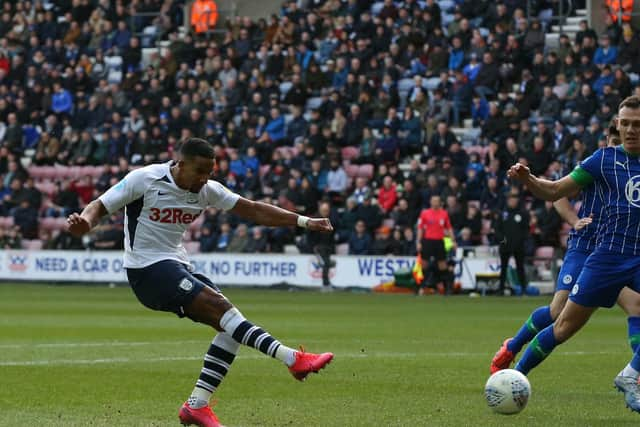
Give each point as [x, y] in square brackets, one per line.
[511, 230]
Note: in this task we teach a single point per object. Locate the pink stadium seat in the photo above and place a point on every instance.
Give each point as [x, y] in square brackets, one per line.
[350, 153]
[48, 172]
[47, 223]
[342, 249]
[32, 245]
[36, 172]
[366, 171]
[546, 252]
[192, 247]
[47, 187]
[352, 170]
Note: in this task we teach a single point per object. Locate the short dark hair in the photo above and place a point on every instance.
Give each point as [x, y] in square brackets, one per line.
[632, 102]
[613, 130]
[197, 147]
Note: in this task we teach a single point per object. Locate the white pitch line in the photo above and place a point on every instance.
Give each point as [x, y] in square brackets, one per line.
[355, 355]
[98, 344]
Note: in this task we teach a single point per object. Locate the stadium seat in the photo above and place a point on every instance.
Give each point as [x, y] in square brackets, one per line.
[47, 187]
[32, 245]
[313, 103]
[285, 87]
[342, 249]
[350, 153]
[366, 171]
[36, 172]
[6, 222]
[545, 252]
[352, 170]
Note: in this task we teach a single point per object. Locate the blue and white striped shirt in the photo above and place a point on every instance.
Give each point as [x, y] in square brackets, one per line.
[585, 238]
[616, 177]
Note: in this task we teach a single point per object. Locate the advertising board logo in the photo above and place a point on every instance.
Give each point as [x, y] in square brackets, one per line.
[18, 262]
[315, 269]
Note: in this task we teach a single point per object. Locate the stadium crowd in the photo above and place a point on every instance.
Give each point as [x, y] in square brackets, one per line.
[342, 107]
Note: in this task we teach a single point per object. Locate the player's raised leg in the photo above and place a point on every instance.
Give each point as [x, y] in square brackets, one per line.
[212, 308]
[541, 317]
[572, 318]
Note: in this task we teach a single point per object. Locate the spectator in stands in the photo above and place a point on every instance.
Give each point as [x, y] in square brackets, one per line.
[258, 242]
[239, 241]
[384, 244]
[25, 217]
[12, 239]
[108, 236]
[441, 140]
[605, 54]
[63, 240]
[539, 157]
[61, 100]
[223, 238]
[387, 195]
[360, 240]
[548, 226]
[337, 180]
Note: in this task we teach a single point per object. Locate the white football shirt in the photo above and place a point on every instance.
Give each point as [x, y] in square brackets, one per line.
[157, 213]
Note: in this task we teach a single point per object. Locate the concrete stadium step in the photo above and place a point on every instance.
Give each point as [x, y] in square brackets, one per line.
[565, 28]
[574, 20]
[552, 40]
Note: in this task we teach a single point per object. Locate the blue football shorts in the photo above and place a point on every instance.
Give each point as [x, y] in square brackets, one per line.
[167, 285]
[572, 265]
[602, 278]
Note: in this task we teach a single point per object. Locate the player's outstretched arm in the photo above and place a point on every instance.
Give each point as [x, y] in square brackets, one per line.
[81, 224]
[566, 211]
[543, 188]
[273, 216]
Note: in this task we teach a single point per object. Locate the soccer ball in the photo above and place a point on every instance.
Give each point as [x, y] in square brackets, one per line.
[507, 391]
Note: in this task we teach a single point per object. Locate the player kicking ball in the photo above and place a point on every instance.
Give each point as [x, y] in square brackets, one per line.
[614, 263]
[160, 202]
[582, 241]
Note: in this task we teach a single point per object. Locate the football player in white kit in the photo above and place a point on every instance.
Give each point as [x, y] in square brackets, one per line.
[160, 202]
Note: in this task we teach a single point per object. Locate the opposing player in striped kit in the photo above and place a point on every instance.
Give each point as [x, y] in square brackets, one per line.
[160, 202]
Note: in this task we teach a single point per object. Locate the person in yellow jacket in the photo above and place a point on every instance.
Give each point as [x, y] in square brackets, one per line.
[204, 15]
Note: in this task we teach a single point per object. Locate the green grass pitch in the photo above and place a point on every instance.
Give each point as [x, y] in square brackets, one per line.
[80, 356]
